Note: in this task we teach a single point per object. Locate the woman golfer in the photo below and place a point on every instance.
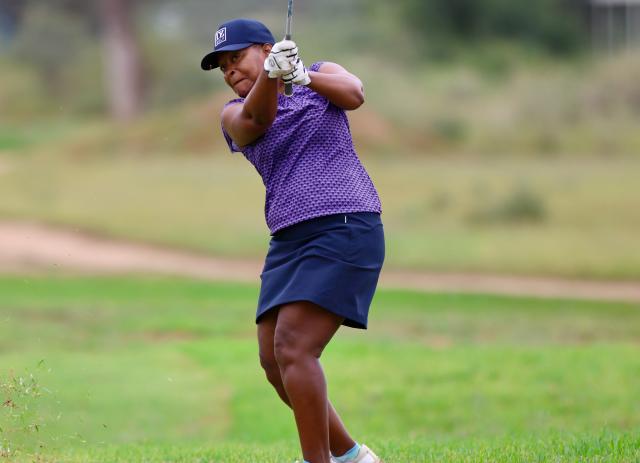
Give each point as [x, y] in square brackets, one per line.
[327, 244]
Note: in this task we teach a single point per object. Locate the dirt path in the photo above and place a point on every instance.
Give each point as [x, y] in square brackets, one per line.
[31, 248]
[4, 166]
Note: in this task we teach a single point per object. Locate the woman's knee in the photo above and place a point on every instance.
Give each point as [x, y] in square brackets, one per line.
[272, 371]
[289, 347]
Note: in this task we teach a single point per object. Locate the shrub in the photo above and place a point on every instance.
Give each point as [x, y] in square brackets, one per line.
[522, 205]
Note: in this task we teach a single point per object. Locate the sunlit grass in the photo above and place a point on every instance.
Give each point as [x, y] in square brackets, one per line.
[167, 370]
[604, 447]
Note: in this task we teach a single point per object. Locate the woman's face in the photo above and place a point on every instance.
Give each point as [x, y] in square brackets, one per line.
[242, 68]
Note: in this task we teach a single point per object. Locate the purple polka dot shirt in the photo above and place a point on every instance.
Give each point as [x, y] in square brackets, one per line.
[307, 162]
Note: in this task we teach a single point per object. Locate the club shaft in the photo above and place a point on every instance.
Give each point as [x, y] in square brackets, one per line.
[288, 88]
[289, 18]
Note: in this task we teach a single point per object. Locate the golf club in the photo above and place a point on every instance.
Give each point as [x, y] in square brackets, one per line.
[288, 88]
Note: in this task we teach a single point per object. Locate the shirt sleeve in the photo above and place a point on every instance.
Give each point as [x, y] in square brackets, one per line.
[315, 67]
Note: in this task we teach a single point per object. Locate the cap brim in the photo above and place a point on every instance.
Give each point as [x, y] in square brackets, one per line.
[210, 61]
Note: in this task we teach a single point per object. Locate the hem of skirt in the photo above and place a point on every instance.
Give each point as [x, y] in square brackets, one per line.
[348, 321]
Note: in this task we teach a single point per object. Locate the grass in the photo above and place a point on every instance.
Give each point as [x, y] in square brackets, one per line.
[453, 214]
[157, 370]
[602, 448]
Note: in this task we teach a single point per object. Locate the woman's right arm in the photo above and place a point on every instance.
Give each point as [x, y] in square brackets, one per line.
[248, 121]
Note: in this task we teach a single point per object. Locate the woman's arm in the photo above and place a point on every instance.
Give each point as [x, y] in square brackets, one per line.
[339, 86]
[248, 121]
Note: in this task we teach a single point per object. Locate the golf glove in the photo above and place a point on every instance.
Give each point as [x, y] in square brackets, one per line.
[299, 75]
[281, 59]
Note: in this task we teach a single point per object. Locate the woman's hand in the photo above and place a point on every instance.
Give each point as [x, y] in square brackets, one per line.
[299, 75]
[281, 59]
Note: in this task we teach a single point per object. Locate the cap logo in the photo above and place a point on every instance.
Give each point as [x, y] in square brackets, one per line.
[221, 36]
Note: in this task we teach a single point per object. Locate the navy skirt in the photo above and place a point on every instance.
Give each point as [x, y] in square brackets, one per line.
[333, 261]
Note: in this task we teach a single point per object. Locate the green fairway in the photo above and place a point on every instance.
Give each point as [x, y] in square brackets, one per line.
[160, 370]
[601, 448]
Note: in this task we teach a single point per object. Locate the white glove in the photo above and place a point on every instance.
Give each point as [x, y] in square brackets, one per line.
[299, 75]
[281, 59]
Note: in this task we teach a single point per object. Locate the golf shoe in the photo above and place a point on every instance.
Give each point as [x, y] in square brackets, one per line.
[365, 455]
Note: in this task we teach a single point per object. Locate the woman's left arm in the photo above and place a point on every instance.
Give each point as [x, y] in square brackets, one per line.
[338, 85]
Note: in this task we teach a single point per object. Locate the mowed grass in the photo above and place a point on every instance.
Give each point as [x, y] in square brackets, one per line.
[158, 370]
[567, 216]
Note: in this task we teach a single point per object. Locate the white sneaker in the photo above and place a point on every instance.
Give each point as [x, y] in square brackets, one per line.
[365, 455]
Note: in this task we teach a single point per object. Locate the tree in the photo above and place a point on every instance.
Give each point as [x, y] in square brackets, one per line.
[556, 26]
[122, 58]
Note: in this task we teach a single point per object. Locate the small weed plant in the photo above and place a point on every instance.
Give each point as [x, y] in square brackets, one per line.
[20, 423]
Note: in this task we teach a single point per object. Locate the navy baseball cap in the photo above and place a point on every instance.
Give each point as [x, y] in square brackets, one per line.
[236, 35]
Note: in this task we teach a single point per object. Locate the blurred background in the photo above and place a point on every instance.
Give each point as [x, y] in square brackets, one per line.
[503, 137]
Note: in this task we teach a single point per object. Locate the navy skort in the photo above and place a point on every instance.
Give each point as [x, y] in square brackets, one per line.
[333, 261]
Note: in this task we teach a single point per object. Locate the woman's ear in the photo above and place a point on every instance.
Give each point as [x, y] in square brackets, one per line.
[267, 48]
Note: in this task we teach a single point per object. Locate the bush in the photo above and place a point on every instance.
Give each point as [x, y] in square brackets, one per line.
[49, 41]
[522, 205]
[21, 93]
[53, 66]
[450, 129]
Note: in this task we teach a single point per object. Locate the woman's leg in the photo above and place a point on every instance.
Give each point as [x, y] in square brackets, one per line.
[302, 332]
[339, 439]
